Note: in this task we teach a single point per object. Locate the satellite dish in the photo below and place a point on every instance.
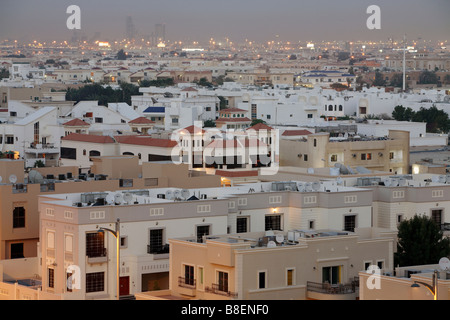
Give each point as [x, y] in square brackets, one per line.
[13, 178]
[279, 238]
[35, 177]
[177, 194]
[444, 264]
[311, 170]
[110, 198]
[118, 198]
[402, 182]
[169, 194]
[435, 179]
[316, 186]
[271, 244]
[387, 182]
[308, 186]
[442, 179]
[185, 194]
[301, 187]
[128, 197]
[339, 180]
[394, 182]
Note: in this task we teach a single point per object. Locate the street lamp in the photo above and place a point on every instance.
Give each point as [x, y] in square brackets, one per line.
[433, 289]
[116, 234]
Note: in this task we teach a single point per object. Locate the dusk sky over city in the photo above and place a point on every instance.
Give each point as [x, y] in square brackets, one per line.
[258, 20]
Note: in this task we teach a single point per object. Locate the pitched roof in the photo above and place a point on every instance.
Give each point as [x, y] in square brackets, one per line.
[296, 133]
[245, 119]
[146, 141]
[76, 123]
[260, 126]
[231, 110]
[141, 120]
[193, 129]
[88, 138]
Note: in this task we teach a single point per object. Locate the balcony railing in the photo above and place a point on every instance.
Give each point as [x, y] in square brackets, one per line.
[161, 250]
[187, 283]
[220, 290]
[328, 288]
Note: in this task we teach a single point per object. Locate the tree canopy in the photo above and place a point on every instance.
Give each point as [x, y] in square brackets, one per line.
[437, 120]
[420, 241]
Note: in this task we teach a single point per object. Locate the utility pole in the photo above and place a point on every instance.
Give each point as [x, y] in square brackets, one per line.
[404, 63]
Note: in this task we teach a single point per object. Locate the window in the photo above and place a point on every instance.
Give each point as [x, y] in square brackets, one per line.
[290, 277]
[366, 156]
[391, 155]
[311, 224]
[331, 275]
[399, 219]
[437, 193]
[203, 208]
[231, 205]
[380, 264]
[242, 201]
[156, 240]
[51, 278]
[222, 278]
[202, 231]
[68, 153]
[241, 224]
[36, 132]
[95, 244]
[350, 223]
[19, 217]
[95, 215]
[156, 212]
[273, 222]
[68, 243]
[9, 140]
[50, 212]
[310, 115]
[398, 194]
[275, 199]
[98, 120]
[189, 275]
[261, 279]
[310, 199]
[68, 214]
[17, 251]
[95, 282]
[436, 216]
[334, 158]
[350, 199]
[315, 142]
[305, 157]
[200, 278]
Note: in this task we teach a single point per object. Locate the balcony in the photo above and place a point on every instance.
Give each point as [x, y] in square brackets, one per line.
[41, 148]
[97, 256]
[221, 290]
[327, 291]
[187, 286]
[159, 253]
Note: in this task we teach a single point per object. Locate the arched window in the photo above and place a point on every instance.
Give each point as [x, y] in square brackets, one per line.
[128, 154]
[94, 153]
[330, 107]
[340, 107]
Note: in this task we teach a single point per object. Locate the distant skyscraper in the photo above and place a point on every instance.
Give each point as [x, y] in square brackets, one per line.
[160, 32]
[130, 29]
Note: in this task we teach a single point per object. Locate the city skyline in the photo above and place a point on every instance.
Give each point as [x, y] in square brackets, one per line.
[256, 20]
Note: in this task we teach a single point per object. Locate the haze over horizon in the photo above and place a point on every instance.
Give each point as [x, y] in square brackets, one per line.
[256, 20]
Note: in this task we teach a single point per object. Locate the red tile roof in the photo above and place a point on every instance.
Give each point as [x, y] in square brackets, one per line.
[231, 110]
[233, 120]
[146, 141]
[260, 126]
[141, 120]
[76, 123]
[88, 138]
[193, 129]
[296, 133]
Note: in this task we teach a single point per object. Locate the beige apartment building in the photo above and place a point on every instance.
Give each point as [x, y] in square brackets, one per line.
[408, 283]
[390, 154]
[19, 232]
[292, 265]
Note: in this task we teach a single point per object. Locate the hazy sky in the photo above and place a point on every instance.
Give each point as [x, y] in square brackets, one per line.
[258, 20]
